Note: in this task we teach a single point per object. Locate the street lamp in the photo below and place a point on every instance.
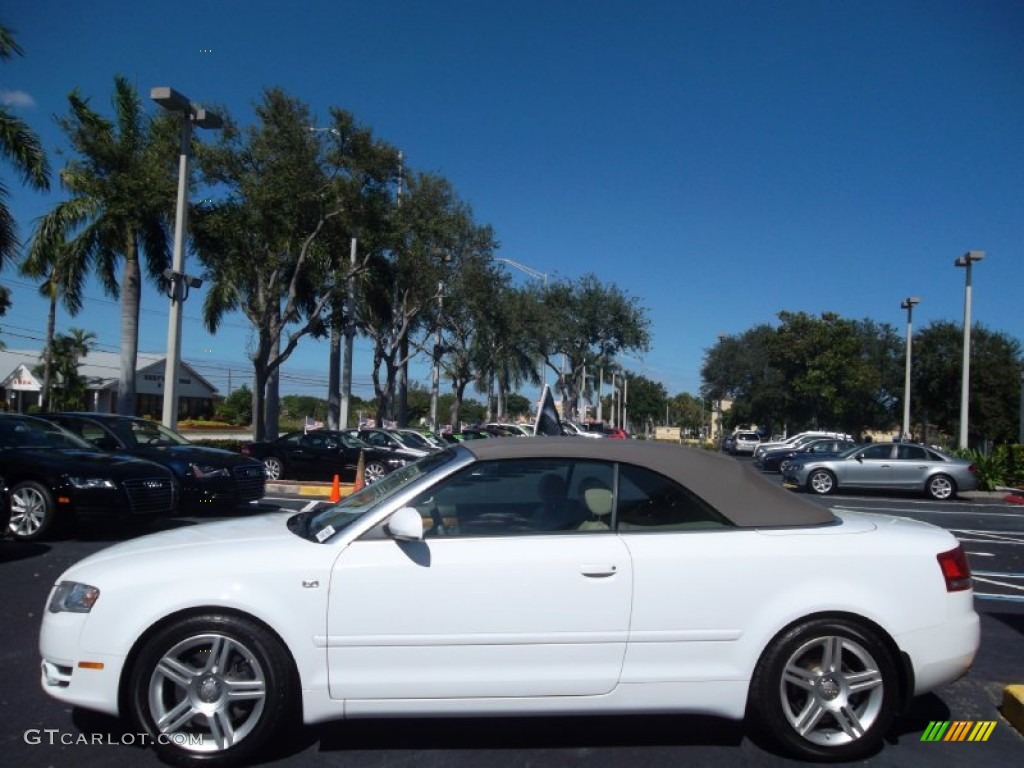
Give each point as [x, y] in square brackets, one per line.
[965, 261]
[171, 100]
[908, 304]
[438, 350]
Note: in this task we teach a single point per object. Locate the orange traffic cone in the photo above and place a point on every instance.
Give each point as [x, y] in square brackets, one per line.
[360, 481]
[335, 490]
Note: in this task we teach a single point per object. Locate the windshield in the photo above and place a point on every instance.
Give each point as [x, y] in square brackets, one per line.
[142, 432]
[36, 433]
[325, 523]
[416, 440]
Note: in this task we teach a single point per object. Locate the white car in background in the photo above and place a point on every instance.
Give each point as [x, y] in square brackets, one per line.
[534, 576]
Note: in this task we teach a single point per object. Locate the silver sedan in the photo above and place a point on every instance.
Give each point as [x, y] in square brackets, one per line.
[885, 466]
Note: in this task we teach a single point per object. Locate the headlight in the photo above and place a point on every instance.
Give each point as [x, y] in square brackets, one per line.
[72, 597]
[794, 467]
[91, 482]
[208, 470]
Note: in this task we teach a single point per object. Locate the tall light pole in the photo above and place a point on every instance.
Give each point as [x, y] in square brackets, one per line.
[908, 304]
[436, 378]
[965, 261]
[171, 100]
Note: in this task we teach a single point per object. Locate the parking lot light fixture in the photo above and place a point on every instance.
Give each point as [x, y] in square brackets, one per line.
[965, 261]
[191, 114]
[908, 304]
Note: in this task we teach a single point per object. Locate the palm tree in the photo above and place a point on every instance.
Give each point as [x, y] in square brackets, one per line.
[68, 351]
[63, 273]
[22, 149]
[122, 187]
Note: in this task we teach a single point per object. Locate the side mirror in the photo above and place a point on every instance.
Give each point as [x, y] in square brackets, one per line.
[405, 525]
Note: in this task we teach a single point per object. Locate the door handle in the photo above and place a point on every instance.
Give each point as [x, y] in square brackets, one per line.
[598, 570]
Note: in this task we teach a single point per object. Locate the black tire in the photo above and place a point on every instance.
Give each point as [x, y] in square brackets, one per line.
[274, 467]
[374, 471]
[941, 487]
[802, 694]
[821, 482]
[33, 511]
[211, 655]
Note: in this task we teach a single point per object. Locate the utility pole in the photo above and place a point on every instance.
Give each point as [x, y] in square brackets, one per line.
[350, 332]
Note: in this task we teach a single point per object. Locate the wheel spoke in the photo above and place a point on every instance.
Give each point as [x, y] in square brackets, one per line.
[175, 671]
[176, 717]
[220, 649]
[847, 719]
[809, 717]
[245, 689]
[221, 730]
[864, 681]
[798, 676]
[832, 654]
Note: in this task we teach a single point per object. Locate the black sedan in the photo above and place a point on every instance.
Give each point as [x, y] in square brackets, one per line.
[320, 454]
[772, 460]
[53, 475]
[209, 477]
[5, 508]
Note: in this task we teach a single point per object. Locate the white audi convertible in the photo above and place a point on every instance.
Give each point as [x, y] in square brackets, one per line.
[520, 576]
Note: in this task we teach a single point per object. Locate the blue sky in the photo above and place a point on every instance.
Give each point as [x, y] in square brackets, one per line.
[720, 161]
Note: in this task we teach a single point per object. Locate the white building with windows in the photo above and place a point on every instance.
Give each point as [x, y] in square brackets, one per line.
[21, 389]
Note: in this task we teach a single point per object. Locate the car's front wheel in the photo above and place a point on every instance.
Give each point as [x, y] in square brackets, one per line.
[941, 487]
[211, 690]
[821, 481]
[33, 511]
[274, 467]
[826, 689]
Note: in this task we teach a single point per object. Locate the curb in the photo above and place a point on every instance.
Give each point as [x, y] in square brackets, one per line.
[317, 490]
[1013, 706]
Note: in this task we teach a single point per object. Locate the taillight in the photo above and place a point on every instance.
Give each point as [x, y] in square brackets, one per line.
[972, 469]
[955, 569]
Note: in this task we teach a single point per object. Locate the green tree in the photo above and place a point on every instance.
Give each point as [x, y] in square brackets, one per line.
[237, 407]
[22, 148]
[67, 353]
[122, 186]
[63, 274]
[272, 246]
[645, 401]
[588, 323]
[994, 395]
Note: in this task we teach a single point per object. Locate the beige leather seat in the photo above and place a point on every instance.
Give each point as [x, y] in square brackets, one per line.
[597, 497]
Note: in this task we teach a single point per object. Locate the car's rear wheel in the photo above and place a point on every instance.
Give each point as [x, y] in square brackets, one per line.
[211, 690]
[33, 511]
[821, 481]
[274, 467]
[941, 487]
[374, 471]
[826, 689]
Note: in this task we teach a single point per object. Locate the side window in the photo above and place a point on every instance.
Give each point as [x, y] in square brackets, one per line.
[651, 502]
[520, 497]
[877, 452]
[911, 453]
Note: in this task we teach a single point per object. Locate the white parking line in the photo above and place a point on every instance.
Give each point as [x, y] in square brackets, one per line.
[903, 511]
[999, 583]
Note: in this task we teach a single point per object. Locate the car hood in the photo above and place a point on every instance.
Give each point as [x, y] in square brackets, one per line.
[75, 460]
[194, 454]
[197, 542]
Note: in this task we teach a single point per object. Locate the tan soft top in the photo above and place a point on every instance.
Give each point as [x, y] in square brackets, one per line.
[736, 490]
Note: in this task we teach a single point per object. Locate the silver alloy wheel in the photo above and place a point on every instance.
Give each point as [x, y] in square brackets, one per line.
[941, 487]
[832, 690]
[821, 481]
[373, 472]
[207, 693]
[274, 467]
[29, 508]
